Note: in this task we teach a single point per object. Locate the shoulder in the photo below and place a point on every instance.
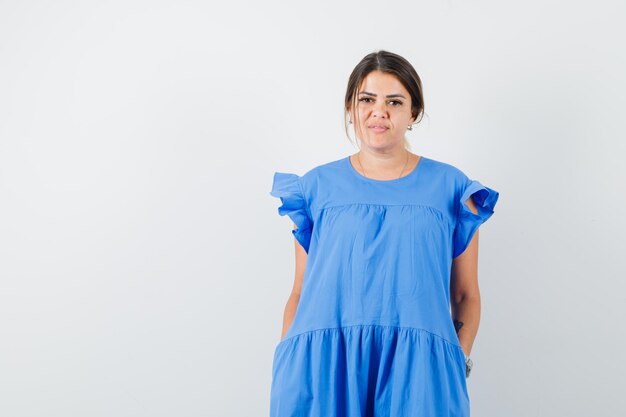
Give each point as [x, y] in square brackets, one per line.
[307, 185]
[448, 174]
[323, 171]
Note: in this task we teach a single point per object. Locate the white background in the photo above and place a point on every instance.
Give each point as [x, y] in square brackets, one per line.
[143, 266]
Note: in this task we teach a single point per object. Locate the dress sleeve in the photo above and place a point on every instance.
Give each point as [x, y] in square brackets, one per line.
[467, 222]
[288, 188]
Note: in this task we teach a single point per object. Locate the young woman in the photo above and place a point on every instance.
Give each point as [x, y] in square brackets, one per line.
[385, 305]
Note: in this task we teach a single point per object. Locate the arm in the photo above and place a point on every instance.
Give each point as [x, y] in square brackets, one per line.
[294, 297]
[465, 294]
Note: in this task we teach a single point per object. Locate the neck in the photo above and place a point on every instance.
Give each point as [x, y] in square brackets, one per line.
[387, 165]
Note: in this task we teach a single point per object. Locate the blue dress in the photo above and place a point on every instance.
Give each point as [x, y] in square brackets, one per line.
[372, 334]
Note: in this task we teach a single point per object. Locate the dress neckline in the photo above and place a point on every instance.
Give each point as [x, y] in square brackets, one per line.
[411, 174]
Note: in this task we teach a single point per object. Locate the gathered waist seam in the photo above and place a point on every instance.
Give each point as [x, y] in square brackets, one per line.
[370, 325]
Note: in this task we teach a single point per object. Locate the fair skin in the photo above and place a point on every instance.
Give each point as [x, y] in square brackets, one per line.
[383, 156]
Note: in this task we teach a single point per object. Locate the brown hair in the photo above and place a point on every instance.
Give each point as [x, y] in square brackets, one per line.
[389, 63]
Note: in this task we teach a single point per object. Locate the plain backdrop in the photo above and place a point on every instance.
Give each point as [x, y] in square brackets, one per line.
[143, 266]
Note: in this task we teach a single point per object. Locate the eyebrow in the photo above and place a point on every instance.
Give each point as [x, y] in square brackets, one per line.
[389, 95]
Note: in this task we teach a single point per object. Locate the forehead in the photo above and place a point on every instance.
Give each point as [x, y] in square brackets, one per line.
[382, 83]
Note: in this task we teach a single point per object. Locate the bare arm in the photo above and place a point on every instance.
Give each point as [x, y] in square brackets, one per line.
[465, 294]
[294, 297]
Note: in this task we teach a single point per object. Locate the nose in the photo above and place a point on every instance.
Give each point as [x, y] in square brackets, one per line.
[380, 110]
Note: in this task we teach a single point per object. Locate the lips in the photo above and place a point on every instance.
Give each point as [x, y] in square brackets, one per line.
[378, 128]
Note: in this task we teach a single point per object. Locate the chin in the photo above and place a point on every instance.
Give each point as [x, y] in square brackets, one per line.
[380, 144]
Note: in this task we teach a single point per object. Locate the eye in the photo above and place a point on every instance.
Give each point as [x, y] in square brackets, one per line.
[368, 99]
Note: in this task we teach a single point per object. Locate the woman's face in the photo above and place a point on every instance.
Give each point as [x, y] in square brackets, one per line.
[384, 111]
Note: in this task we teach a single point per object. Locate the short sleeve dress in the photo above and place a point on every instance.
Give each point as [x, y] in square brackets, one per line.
[373, 334]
